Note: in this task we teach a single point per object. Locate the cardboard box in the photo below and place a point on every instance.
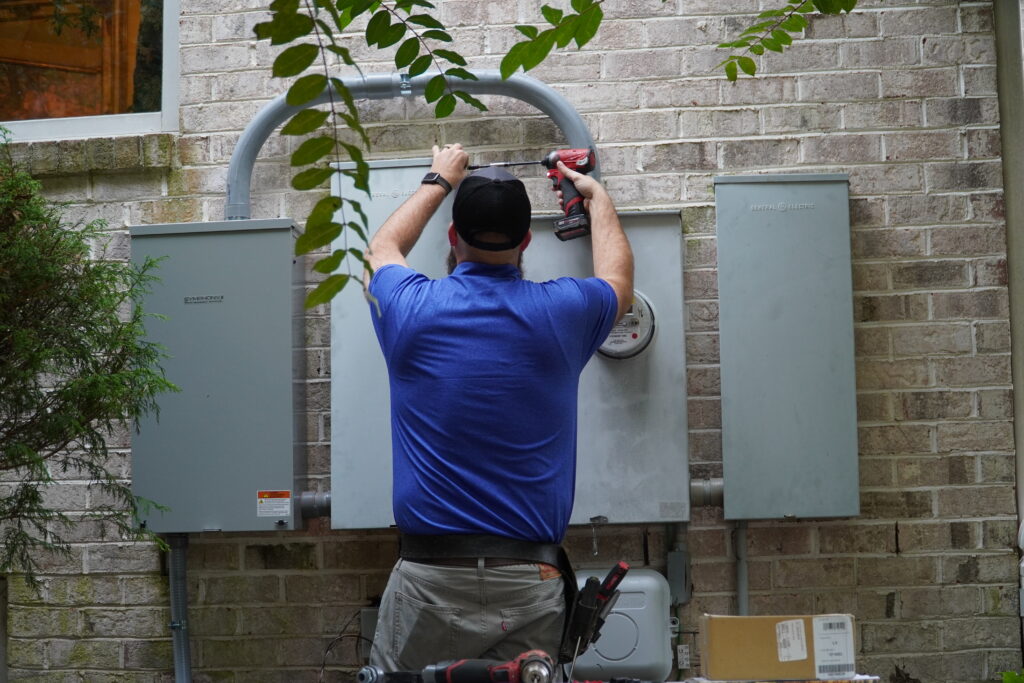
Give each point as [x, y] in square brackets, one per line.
[788, 647]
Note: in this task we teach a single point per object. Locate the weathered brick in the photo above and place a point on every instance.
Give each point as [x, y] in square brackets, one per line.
[843, 88]
[885, 308]
[900, 374]
[938, 471]
[934, 405]
[968, 240]
[992, 272]
[883, 114]
[996, 469]
[975, 436]
[874, 407]
[854, 148]
[901, 571]
[927, 209]
[760, 153]
[959, 176]
[979, 568]
[814, 573]
[902, 439]
[995, 404]
[862, 538]
[916, 340]
[895, 504]
[938, 536]
[972, 371]
[283, 556]
[918, 636]
[976, 501]
[929, 82]
[973, 305]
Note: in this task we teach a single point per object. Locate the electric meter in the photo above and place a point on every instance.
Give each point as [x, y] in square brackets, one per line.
[633, 333]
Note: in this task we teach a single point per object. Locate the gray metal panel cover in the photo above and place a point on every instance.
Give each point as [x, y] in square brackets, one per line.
[789, 418]
[632, 413]
[227, 291]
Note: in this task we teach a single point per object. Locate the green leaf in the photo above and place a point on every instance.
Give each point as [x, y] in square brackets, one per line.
[806, 8]
[748, 65]
[420, 64]
[437, 35]
[314, 239]
[329, 264]
[377, 26]
[461, 73]
[783, 37]
[306, 89]
[757, 49]
[360, 176]
[511, 62]
[407, 52]
[326, 290]
[435, 88]
[538, 49]
[553, 15]
[305, 122]
[771, 13]
[470, 100]
[294, 60]
[847, 5]
[758, 27]
[565, 32]
[453, 57]
[284, 6]
[581, 5]
[772, 45]
[445, 106]
[287, 28]
[394, 34]
[826, 6]
[312, 150]
[425, 20]
[730, 71]
[528, 31]
[343, 52]
[590, 20]
[311, 177]
[794, 24]
[263, 30]
[323, 212]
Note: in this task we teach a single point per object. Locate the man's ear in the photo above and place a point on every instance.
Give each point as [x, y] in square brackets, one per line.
[526, 240]
[453, 237]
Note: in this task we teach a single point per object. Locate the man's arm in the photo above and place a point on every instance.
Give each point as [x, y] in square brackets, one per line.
[396, 238]
[613, 257]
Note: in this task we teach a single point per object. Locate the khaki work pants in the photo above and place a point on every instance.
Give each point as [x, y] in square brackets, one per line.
[432, 613]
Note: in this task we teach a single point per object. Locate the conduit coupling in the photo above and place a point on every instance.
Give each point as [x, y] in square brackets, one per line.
[386, 86]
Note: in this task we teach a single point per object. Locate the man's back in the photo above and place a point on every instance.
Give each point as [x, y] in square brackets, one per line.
[484, 369]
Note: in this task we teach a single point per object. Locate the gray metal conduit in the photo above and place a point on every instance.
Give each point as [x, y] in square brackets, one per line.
[177, 575]
[386, 86]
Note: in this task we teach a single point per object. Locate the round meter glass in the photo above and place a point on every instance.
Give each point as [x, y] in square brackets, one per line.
[633, 333]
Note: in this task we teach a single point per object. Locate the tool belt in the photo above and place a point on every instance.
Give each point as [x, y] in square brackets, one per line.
[431, 548]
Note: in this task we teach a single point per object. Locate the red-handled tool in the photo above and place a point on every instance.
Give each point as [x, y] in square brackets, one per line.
[576, 222]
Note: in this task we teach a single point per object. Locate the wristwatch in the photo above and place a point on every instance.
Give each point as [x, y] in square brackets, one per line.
[437, 179]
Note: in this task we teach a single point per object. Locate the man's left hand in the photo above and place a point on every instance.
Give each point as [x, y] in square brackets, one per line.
[451, 162]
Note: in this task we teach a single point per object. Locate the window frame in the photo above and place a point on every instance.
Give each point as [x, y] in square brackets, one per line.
[110, 125]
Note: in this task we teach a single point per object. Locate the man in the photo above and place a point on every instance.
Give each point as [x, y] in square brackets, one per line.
[483, 369]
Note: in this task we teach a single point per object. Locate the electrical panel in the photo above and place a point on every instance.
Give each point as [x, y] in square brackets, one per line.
[632, 454]
[789, 414]
[222, 454]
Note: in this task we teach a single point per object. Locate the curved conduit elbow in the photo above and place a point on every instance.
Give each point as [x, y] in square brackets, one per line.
[386, 86]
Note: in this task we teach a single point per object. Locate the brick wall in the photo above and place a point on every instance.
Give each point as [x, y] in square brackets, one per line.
[901, 95]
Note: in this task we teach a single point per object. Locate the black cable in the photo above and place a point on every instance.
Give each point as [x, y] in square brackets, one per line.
[337, 639]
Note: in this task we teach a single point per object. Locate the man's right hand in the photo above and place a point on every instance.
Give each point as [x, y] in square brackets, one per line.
[587, 186]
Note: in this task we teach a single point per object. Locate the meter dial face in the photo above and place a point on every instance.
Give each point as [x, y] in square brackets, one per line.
[633, 333]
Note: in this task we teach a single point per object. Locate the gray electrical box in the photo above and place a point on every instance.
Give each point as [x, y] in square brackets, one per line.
[221, 454]
[789, 414]
[632, 465]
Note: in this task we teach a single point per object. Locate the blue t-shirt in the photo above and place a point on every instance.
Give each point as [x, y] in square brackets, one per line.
[484, 368]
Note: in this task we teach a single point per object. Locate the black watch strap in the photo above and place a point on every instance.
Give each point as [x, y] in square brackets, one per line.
[433, 178]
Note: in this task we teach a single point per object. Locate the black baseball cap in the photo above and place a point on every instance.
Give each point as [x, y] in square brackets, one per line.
[491, 200]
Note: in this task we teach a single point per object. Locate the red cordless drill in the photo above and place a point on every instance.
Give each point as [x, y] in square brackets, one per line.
[534, 666]
[576, 222]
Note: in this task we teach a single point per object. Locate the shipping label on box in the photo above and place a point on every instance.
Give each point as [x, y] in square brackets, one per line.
[784, 647]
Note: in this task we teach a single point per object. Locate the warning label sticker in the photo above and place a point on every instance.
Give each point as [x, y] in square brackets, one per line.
[273, 503]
